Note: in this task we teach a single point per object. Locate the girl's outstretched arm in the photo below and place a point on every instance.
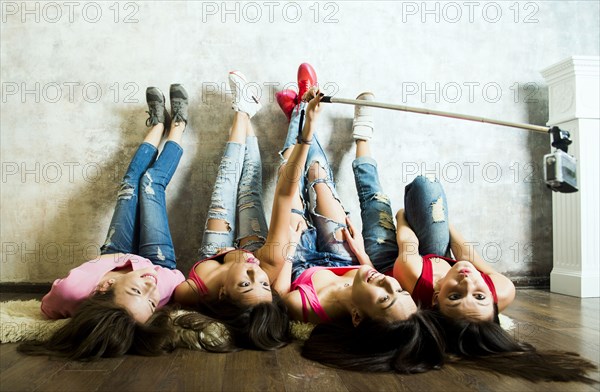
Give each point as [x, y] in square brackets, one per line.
[272, 254]
[284, 280]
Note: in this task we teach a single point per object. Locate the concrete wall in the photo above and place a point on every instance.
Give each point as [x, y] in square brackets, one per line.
[74, 75]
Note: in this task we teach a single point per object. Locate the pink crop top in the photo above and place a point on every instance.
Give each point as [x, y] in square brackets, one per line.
[423, 291]
[304, 284]
[202, 289]
[69, 292]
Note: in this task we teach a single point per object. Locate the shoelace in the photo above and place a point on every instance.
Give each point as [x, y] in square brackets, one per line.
[306, 85]
[177, 116]
[152, 115]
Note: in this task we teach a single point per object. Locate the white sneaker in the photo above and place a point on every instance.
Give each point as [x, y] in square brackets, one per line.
[362, 126]
[245, 99]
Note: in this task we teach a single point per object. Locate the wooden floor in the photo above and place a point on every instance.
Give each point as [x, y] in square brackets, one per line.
[549, 321]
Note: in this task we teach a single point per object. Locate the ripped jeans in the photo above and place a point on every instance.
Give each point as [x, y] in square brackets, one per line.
[425, 209]
[139, 224]
[318, 245]
[236, 199]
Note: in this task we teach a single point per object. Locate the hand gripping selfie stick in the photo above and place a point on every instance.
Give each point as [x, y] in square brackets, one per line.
[560, 168]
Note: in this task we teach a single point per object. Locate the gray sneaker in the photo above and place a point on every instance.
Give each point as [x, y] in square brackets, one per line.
[179, 103]
[157, 112]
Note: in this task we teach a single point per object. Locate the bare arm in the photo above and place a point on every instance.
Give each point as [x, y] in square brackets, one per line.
[284, 280]
[272, 253]
[408, 242]
[408, 265]
[186, 293]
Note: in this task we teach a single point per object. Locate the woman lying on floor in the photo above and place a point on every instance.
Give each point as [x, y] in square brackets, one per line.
[236, 280]
[466, 295]
[115, 301]
[378, 326]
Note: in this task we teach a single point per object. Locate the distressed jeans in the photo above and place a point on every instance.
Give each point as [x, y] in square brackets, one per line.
[318, 245]
[237, 200]
[139, 224]
[425, 209]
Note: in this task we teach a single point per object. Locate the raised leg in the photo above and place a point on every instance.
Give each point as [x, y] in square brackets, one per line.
[326, 211]
[123, 231]
[379, 231]
[219, 230]
[251, 222]
[156, 243]
[426, 211]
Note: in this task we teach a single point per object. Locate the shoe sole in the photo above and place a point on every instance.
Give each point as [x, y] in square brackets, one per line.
[243, 77]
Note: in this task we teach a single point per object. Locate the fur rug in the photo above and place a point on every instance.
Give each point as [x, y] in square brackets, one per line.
[23, 320]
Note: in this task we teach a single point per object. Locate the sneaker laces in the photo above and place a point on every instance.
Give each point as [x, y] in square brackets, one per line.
[306, 85]
[176, 108]
[300, 98]
[153, 113]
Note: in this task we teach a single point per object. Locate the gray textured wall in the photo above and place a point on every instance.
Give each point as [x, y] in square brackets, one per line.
[74, 75]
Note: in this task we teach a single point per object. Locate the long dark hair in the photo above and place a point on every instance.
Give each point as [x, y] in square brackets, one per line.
[487, 346]
[414, 345]
[101, 328]
[264, 326]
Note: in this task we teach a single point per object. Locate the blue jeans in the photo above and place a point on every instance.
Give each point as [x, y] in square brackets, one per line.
[426, 211]
[236, 199]
[379, 232]
[139, 224]
[318, 245]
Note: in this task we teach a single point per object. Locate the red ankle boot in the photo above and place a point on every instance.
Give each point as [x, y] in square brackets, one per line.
[287, 99]
[307, 77]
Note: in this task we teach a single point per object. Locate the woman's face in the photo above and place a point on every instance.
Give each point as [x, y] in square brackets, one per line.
[464, 294]
[381, 297]
[247, 283]
[137, 292]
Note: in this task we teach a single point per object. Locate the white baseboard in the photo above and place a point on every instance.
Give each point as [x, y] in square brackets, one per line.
[574, 284]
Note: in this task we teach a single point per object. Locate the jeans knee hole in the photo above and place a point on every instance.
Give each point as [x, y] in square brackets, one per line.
[437, 210]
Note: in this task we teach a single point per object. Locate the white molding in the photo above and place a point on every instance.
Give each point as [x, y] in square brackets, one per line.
[574, 103]
[573, 91]
[580, 65]
[575, 284]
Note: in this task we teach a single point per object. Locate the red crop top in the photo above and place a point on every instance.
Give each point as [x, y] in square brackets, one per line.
[423, 291]
[202, 289]
[304, 284]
